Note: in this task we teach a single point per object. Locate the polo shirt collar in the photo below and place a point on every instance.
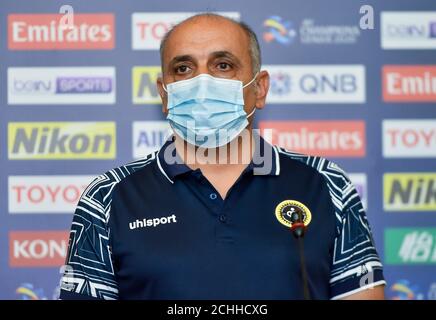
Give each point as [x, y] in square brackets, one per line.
[265, 161]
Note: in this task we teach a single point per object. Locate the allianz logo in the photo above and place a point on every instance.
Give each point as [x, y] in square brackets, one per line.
[154, 222]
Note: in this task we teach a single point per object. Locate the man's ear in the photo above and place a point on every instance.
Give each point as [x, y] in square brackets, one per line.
[262, 87]
[162, 94]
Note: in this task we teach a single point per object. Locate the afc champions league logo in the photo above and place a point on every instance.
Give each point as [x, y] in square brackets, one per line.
[289, 212]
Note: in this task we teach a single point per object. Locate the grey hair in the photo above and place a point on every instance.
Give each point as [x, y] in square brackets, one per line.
[254, 48]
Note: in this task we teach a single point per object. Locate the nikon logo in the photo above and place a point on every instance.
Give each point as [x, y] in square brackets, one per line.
[61, 140]
[410, 191]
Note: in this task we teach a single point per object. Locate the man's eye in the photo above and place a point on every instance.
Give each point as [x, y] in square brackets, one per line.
[182, 69]
[223, 66]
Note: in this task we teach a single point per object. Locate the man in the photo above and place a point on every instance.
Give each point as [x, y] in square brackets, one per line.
[194, 221]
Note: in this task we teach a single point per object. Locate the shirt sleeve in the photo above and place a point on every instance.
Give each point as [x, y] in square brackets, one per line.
[356, 265]
[88, 271]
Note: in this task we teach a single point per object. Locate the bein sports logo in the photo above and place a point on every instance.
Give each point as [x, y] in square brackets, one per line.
[408, 29]
[61, 85]
[279, 30]
[64, 85]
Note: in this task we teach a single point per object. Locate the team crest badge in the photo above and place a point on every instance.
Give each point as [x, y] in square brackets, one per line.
[290, 211]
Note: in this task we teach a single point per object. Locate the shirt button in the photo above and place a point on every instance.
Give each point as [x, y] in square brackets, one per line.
[213, 196]
[223, 218]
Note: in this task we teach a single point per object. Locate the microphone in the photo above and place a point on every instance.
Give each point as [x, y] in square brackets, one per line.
[298, 228]
[296, 216]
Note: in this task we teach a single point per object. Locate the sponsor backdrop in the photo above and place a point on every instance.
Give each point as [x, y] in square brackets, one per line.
[78, 97]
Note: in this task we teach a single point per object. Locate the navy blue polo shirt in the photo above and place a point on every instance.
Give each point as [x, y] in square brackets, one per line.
[152, 229]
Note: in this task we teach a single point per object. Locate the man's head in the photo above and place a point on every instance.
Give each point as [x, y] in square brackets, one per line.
[215, 45]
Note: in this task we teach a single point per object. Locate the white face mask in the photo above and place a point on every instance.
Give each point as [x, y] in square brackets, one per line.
[206, 111]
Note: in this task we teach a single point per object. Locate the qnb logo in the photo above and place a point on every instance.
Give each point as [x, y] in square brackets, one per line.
[409, 83]
[46, 32]
[409, 191]
[37, 248]
[154, 222]
[61, 140]
[317, 84]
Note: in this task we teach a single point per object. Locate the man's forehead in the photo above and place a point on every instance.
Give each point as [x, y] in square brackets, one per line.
[208, 36]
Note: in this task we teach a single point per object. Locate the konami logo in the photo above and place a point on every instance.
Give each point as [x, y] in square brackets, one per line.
[47, 32]
[37, 248]
[321, 138]
[409, 83]
[45, 194]
[411, 138]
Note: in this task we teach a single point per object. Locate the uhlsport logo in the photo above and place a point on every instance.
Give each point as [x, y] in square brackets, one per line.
[411, 138]
[322, 138]
[48, 32]
[410, 191]
[45, 194]
[291, 84]
[149, 136]
[61, 85]
[277, 29]
[61, 140]
[412, 83]
[152, 223]
[144, 85]
[404, 290]
[37, 248]
[410, 246]
[408, 30]
[148, 29]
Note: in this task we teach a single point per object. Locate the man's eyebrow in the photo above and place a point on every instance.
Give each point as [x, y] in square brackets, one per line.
[225, 54]
[181, 58]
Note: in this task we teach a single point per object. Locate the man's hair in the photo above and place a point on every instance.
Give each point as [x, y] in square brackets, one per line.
[253, 48]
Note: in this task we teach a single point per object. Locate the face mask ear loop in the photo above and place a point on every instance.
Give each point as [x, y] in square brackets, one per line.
[251, 113]
[254, 78]
[163, 86]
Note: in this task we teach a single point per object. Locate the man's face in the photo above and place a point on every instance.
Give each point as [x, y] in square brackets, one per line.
[214, 46]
